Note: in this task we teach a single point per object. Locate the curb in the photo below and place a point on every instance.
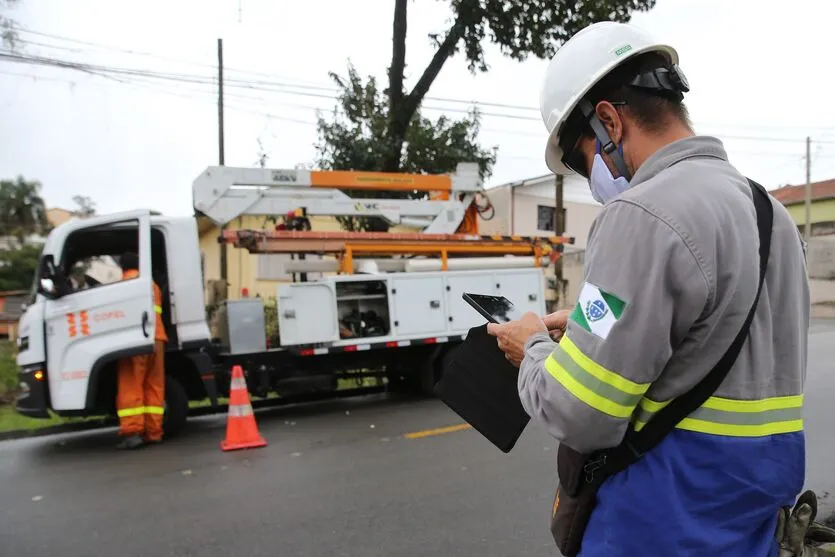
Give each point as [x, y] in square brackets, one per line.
[54, 430]
[193, 413]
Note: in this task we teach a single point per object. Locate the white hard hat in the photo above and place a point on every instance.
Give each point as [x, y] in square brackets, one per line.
[368, 267]
[578, 65]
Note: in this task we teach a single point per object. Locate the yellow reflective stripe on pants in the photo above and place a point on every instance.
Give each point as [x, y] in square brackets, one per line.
[157, 309]
[735, 418]
[603, 390]
[138, 411]
[125, 412]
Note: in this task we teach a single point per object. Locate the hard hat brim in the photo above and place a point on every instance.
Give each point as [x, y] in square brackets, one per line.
[553, 152]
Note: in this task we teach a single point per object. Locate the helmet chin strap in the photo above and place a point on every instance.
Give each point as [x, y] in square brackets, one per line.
[607, 145]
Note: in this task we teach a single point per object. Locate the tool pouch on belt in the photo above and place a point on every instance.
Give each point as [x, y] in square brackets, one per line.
[581, 475]
[574, 500]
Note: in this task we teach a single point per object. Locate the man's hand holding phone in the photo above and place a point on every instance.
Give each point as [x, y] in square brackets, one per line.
[513, 336]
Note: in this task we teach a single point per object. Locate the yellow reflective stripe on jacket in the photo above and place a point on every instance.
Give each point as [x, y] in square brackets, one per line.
[590, 382]
[158, 309]
[139, 410]
[735, 418]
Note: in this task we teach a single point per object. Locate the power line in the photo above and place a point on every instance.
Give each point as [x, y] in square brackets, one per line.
[309, 85]
[111, 72]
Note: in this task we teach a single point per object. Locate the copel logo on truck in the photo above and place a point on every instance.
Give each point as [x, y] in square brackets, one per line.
[108, 315]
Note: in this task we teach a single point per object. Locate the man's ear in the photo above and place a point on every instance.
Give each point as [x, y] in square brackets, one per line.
[611, 120]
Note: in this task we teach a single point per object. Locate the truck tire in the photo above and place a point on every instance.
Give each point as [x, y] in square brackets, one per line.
[176, 407]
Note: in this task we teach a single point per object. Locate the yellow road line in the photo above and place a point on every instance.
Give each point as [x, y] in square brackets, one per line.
[437, 431]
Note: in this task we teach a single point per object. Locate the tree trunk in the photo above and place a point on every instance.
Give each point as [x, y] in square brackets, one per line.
[401, 113]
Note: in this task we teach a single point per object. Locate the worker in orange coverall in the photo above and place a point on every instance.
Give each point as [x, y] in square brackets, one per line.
[140, 401]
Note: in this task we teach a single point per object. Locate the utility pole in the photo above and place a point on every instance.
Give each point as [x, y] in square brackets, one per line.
[807, 232]
[221, 157]
[559, 230]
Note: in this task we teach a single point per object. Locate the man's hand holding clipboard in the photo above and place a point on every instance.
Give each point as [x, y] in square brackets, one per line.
[480, 381]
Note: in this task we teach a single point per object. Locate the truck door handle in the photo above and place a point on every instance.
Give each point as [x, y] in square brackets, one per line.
[144, 323]
[434, 304]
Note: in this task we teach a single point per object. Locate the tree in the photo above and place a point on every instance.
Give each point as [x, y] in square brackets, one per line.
[18, 266]
[22, 209]
[8, 31]
[388, 123]
[86, 206]
[356, 140]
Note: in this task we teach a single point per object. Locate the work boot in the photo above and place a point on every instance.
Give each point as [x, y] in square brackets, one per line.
[130, 442]
[152, 441]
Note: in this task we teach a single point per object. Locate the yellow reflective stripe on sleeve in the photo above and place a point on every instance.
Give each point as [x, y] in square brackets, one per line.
[735, 418]
[599, 389]
[125, 412]
[609, 377]
[158, 309]
[154, 410]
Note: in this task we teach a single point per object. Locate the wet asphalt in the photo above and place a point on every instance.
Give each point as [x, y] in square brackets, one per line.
[340, 478]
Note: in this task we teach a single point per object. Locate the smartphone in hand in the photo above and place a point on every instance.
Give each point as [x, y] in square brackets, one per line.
[496, 309]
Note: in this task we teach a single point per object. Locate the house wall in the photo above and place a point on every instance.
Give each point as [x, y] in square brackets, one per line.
[519, 214]
[821, 213]
[500, 223]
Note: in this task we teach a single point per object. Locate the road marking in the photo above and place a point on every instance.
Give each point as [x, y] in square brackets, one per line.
[437, 431]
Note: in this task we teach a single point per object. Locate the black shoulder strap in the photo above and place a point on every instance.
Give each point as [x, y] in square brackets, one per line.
[664, 421]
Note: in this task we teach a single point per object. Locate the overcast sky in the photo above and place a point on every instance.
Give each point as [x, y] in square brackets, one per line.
[760, 73]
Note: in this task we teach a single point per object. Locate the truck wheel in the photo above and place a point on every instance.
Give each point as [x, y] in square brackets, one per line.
[176, 407]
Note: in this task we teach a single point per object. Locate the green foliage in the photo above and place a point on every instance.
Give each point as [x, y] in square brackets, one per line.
[271, 320]
[356, 138]
[22, 209]
[8, 370]
[529, 27]
[8, 31]
[86, 207]
[384, 130]
[18, 266]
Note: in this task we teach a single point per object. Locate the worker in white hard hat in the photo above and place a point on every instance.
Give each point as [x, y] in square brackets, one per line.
[672, 270]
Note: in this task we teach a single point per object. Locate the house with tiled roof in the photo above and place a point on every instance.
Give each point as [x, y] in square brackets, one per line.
[822, 210]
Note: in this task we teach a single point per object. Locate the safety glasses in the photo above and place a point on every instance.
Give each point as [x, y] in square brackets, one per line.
[573, 157]
[575, 160]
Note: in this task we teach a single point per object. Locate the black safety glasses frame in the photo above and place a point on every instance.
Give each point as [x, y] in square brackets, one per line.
[573, 157]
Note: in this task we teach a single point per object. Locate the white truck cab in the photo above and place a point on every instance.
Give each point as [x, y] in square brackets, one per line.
[72, 335]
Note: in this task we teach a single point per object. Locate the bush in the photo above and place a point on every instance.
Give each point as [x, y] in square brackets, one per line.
[271, 321]
[8, 370]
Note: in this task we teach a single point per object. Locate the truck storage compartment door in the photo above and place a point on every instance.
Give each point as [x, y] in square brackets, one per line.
[307, 313]
[525, 288]
[462, 317]
[90, 327]
[418, 305]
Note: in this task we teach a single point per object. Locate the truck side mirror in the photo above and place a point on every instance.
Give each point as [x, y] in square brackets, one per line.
[47, 278]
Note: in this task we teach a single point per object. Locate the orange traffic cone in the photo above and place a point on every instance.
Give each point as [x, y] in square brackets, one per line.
[241, 429]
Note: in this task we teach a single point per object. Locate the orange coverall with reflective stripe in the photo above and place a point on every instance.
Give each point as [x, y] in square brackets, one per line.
[140, 401]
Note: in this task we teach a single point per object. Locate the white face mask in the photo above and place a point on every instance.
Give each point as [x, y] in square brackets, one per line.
[603, 185]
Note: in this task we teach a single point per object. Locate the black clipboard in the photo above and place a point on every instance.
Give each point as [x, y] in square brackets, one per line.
[480, 385]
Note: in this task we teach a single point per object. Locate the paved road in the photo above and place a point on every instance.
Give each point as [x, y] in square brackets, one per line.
[337, 479]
